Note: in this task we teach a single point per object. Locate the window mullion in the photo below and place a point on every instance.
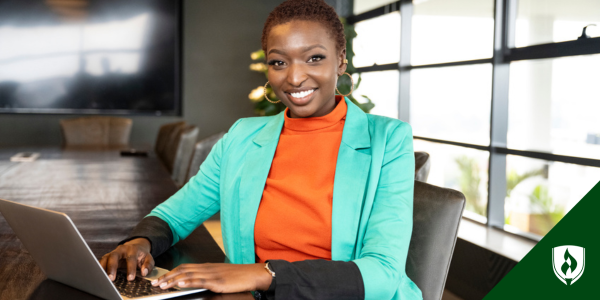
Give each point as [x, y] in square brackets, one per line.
[499, 113]
[406, 12]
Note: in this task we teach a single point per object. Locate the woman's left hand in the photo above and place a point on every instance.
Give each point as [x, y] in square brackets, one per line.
[219, 278]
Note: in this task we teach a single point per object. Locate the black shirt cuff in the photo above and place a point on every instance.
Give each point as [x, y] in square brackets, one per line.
[155, 230]
[316, 279]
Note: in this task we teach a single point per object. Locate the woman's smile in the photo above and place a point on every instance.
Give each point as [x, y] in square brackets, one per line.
[302, 96]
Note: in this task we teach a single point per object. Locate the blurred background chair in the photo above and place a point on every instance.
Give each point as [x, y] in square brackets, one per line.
[436, 216]
[183, 151]
[201, 151]
[169, 150]
[422, 166]
[165, 134]
[96, 131]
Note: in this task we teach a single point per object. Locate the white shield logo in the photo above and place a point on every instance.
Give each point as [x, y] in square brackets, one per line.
[568, 263]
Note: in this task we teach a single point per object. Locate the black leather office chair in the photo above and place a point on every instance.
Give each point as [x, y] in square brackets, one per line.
[422, 166]
[201, 151]
[166, 135]
[436, 215]
[183, 154]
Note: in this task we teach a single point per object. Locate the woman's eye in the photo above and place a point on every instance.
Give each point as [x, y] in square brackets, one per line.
[316, 58]
[276, 63]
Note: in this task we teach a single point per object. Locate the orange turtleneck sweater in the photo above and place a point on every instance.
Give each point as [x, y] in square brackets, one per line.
[294, 217]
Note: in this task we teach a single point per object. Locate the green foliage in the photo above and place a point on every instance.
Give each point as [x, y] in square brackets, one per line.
[262, 107]
[469, 183]
[513, 179]
[551, 214]
[547, 214]
[539, 197]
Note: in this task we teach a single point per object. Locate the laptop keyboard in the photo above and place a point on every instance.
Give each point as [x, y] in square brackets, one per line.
[139, 287]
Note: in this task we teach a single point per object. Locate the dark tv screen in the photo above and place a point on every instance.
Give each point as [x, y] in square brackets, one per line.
[90, 56]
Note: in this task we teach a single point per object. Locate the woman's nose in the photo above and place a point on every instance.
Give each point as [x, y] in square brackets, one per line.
[296, 75]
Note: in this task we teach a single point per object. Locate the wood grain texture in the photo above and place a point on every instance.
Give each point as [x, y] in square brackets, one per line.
[105, 195]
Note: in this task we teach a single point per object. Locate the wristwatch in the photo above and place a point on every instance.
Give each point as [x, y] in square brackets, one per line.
[268, 268]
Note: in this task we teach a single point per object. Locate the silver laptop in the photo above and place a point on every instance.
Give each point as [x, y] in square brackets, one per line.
[56, 245]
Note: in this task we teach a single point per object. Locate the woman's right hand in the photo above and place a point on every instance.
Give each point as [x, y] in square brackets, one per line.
[133, 254]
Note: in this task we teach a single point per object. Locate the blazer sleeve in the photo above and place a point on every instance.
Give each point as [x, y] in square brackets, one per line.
[382, 259]
[198, 199]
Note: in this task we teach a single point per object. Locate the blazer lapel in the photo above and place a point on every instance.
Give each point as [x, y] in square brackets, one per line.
[257, 165]
[351, 174]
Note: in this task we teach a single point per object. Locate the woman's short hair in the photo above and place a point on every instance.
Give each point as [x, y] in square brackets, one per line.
[308, 10]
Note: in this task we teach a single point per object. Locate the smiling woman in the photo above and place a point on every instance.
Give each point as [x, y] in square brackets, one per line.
[304, 63]
[305, 50]
[316, 202]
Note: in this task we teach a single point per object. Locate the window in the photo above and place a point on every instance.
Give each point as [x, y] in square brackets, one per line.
[539, 193]
[516, 130]
[452, 103]
[554, 105]
[459, 168]
[452, 30]
[543, 21]
[361, 6]
[382, 88]
[377, 41]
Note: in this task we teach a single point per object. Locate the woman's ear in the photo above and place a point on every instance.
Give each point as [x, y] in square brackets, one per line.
[341, 65]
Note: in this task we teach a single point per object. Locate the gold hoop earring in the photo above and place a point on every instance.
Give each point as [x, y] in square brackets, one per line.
[351, 86]
[265, 91]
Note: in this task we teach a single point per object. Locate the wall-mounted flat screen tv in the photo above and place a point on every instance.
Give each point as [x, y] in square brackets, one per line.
[90, 56]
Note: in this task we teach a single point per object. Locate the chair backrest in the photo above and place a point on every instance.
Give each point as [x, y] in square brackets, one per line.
[201, 151]
[185, 149]
[422, 166]
[436, 215]
[119, 131]
[164, 136]
[96, 131]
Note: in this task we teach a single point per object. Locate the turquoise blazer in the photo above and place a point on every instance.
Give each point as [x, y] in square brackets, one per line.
[372, 196]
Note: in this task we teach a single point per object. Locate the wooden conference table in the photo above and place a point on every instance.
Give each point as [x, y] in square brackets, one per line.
[105, 195]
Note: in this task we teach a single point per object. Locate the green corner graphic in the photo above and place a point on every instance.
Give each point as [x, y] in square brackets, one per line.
[536, 277]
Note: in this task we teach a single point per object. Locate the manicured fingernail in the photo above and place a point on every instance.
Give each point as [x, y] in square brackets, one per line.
[154, 282]
[131, 276]
[145, 272]
[112, 277]
[181, 283]
[164, 284]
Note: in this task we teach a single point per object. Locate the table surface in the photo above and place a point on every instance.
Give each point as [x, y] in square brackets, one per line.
[105, 195]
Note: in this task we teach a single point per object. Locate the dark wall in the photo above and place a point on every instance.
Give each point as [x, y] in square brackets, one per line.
[218, 37]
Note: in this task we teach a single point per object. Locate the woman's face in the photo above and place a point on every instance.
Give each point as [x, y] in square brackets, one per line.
[304, 65]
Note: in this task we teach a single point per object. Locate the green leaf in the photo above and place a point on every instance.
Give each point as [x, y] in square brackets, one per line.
[358, 82]
[271, 110]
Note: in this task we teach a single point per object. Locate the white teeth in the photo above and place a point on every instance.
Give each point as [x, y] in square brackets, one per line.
[302, 94]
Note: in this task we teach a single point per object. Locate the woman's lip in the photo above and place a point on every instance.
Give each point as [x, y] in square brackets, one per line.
[303, 100]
